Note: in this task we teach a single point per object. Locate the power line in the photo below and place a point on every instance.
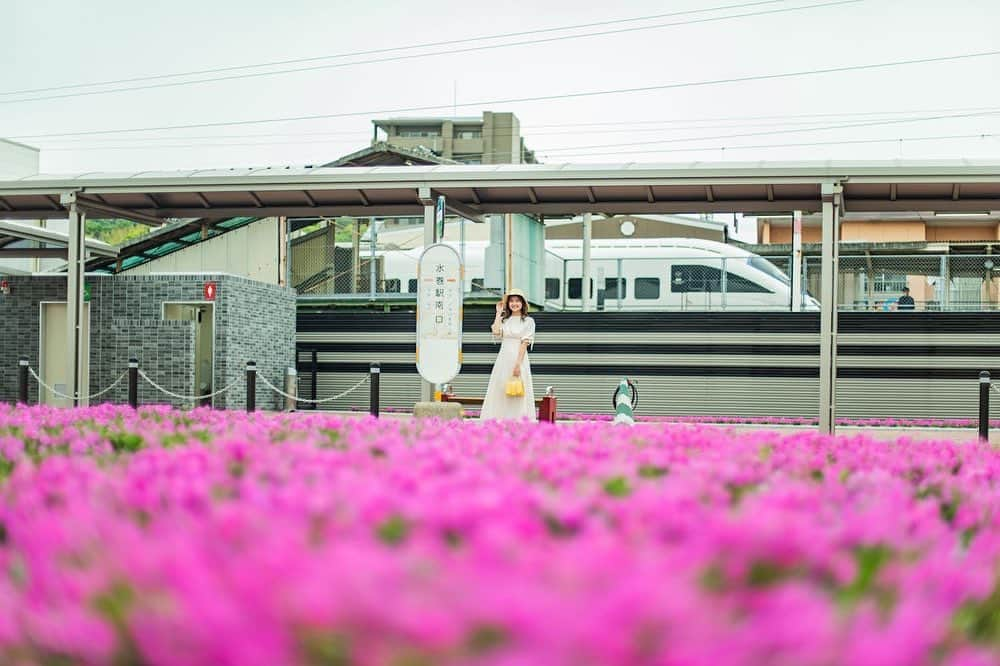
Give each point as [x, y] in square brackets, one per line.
[838, 114]
[278, 63]
[708, 149]
[539, 98]
[896, 121]
[469, 49]
[706, 123]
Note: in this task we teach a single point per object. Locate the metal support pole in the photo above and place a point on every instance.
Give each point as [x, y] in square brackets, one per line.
[22, 380]
[585, 278]
[945, 283]
[797, 261]
[723, 287]
[430, 237]
[372, 273]
[374, 373]
[620, 289]
[828, 314]
[75, 344]
[461, 251]
[292, 389]
[984, 406]
[312, 378]
[133, 382]
[251, 386]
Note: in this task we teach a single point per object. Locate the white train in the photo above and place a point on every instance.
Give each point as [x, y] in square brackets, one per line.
[634, 274]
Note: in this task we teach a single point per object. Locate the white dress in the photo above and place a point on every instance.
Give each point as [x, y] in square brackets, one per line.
[497, 404]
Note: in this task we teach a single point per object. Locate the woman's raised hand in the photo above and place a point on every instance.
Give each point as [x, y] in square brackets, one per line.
[500, 308]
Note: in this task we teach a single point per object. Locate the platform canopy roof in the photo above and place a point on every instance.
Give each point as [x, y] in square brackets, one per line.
[476, 190]
[43, 243]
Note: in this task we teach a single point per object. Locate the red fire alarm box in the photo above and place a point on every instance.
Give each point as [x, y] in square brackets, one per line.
[210, 290]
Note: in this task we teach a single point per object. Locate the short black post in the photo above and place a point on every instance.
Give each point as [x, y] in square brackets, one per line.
[374, 373]
[133, 383]
[984, 406]
[251, 386]
[22, 380]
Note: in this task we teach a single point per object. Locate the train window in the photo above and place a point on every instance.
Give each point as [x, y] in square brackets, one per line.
[612, 290]
[392, 286]
[574, 288]
[411, 286]
[647, 288]
[695, 278]
[551, 289]
[736, 284]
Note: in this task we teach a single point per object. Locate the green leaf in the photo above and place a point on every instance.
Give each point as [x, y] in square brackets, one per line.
[652, 471]
[617, 486]
[125, 441]
[393, 531]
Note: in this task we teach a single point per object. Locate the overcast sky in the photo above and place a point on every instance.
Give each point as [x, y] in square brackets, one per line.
[52, 44]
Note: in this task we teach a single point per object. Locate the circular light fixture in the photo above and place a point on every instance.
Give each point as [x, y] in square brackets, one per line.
[627, 228]
[988, 264]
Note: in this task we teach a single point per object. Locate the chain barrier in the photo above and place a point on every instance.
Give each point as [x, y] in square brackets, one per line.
[81, 397]
[188, 397]
[277, 390]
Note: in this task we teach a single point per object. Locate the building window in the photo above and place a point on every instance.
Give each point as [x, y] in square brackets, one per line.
[647, 288]
[552, 289]
[392, 286]
[574, 288]
[614, 288]
[419, 132]
[885, 283]
[412, 286]
[478, 284]
[468, 133]
[469, 159]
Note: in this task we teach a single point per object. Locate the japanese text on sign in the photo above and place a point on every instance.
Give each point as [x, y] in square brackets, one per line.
[439, 314]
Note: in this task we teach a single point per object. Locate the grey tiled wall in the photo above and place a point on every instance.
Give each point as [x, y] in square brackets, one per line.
[253, 321]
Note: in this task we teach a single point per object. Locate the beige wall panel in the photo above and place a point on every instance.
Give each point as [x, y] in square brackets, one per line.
[250, 252]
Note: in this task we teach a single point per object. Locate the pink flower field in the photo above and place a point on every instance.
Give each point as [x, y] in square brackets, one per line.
[222, 538]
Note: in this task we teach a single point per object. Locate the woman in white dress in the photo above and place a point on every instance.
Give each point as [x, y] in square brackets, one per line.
[516, 332]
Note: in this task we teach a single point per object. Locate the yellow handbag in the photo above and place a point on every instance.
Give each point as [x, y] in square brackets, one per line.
[515, 387]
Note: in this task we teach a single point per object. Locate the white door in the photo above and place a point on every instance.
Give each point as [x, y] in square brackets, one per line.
[54, 354]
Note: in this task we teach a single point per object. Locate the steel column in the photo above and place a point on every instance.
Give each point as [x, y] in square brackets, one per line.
[430, 237]
[828, 313]
[585, 277]
[797, 261]
[74, 297]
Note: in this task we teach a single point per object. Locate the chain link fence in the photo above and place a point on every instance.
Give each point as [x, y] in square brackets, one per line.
[918, 282]
[372, 260]
[365, 260]
[943, 282]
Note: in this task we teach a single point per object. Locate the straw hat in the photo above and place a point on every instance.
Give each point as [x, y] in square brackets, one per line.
[515, 292]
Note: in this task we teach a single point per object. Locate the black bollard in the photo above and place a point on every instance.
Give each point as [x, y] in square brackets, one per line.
[374, 373]
[22, 380]
[984, 406]
[251, 386]
[133, 383]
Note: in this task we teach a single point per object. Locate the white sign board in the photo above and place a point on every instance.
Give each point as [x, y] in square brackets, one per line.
[439, 314]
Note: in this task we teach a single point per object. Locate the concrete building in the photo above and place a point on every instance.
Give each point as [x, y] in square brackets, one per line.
[17, 160]
[493, 139]
[185, 341]
[913, 227]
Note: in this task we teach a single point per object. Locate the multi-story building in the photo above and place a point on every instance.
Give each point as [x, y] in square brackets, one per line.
[493, 139]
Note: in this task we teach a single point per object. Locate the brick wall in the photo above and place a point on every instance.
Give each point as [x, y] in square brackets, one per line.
[253, 321]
